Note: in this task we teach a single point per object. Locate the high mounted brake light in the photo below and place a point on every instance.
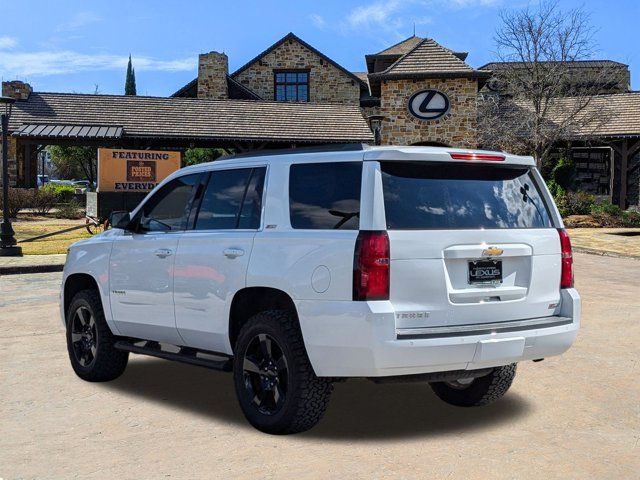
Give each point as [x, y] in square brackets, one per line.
[492, 157]
[566, 257]
[371, 266]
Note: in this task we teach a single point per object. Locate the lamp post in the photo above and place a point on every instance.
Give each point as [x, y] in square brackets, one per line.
[8, 242]
[375, 122]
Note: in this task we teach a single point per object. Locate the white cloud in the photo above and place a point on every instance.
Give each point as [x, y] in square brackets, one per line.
[7, 42]
[77, 21]
[22, 64]
[318, 20]
[377, 13]
[396, 18]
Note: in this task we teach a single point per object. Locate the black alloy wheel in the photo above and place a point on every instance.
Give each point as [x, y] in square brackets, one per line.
[276, 386]
[90, 342]
[84, 336]
[265, 374]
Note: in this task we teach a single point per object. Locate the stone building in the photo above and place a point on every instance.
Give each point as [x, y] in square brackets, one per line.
[416, 92]
[293, 70]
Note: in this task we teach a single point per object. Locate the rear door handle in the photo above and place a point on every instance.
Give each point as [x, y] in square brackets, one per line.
[233, 252]
[163, 252]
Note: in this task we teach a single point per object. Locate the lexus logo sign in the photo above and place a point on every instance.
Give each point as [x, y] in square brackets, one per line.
[428, 104]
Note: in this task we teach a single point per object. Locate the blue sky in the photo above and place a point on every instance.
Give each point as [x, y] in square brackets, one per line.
[72, 46]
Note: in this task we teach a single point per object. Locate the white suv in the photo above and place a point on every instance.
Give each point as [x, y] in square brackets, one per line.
[298, 269]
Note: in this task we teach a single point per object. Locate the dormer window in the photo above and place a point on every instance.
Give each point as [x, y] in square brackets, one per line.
[291, 85]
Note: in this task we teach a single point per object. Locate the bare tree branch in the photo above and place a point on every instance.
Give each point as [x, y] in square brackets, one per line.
[539, 97]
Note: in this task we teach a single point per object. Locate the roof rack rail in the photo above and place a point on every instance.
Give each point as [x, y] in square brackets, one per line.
[327, 147]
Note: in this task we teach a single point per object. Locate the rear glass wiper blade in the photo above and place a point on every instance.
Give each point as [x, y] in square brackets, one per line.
[346, 216]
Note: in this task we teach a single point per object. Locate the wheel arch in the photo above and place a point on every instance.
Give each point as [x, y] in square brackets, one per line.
[252, 300]
[75, 283]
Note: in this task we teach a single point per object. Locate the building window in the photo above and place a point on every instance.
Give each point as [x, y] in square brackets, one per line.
[292, 86]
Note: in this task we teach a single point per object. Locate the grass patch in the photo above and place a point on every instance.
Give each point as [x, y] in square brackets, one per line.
[32, 226]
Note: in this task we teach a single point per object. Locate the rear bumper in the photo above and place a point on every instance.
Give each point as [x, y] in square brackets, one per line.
[359, 339]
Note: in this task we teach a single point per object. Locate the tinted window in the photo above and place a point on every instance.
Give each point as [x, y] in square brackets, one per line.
[169, 207]
[325, 195]
[223, 199]
[252, 205]
[430, 196]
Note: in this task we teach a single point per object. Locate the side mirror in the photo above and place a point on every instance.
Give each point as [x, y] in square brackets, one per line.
[120, 219]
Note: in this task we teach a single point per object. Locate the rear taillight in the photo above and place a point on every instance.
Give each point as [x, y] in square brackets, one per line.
[492, 157]
[566, 276]
[371, 266]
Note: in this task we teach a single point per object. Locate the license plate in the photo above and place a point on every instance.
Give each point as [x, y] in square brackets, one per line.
[485, 271]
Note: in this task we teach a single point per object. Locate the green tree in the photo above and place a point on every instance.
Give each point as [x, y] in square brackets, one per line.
[130, 82]
[75, 162]
[194, 156]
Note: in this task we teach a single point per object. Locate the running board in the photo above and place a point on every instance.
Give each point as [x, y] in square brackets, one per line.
[185, 355]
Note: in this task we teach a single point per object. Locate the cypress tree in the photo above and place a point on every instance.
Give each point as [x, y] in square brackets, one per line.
[130, 82]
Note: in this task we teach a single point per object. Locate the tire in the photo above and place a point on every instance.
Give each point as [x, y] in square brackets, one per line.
[270, 357]
[481, 391]
[90, 341]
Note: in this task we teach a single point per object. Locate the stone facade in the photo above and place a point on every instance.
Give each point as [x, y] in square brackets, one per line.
[16, 89]
[213, 68]
[20, 91]
[327, 83]
[13, 169]
[458, 128]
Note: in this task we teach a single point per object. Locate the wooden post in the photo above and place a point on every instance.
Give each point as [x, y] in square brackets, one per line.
[624, 160]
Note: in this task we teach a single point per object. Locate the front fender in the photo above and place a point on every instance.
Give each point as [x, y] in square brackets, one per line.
[91, 257]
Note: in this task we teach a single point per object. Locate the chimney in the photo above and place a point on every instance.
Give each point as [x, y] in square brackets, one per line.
[16, 89]
[213, 68]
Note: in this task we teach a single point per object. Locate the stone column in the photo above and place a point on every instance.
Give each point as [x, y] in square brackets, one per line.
[213, 68]
[20, 91]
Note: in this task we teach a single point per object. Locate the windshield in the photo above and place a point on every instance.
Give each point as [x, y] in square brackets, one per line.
[461, 196]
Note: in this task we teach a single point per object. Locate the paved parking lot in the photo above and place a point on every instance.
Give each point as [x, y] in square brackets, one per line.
[577, 416]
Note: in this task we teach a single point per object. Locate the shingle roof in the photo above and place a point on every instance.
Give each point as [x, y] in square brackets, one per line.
[167, 117]
[362, 76]
[428, 58]
[622, 112]
[610, 115]
[402, 47]
[494, 66]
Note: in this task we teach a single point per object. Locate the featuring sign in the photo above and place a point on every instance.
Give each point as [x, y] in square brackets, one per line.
[428, 104]
[134, 170]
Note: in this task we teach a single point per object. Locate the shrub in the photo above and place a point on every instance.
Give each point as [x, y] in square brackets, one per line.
[575, 203]
[63, 193]
[606, 208]
[563, 173]
[556, 190]
[71, 210]
[631, 218]
[44, 200]
[19, 199]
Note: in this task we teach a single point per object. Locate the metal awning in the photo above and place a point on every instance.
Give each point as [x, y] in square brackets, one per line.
[68, 131]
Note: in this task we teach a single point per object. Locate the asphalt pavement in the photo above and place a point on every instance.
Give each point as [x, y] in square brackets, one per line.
[574, 416]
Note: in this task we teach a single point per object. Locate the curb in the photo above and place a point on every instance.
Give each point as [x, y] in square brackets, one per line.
[22, 269]
[602, 253]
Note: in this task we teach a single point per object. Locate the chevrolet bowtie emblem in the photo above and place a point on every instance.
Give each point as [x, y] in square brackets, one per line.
[492, 252]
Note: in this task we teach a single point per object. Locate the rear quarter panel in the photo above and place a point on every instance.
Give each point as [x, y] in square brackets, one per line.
[306, 264]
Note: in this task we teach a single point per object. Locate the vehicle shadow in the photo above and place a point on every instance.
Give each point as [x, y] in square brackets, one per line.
[359, 409]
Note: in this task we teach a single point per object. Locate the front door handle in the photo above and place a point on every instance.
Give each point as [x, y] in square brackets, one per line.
[163, 252]
[233, 252]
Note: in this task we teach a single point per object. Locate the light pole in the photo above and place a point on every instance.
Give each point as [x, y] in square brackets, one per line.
[8, 242]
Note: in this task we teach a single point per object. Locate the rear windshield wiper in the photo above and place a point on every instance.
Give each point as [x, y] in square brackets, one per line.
[346, 216]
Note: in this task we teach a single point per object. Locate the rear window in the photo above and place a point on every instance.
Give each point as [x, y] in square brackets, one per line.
[422, 196]
[325, 195]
